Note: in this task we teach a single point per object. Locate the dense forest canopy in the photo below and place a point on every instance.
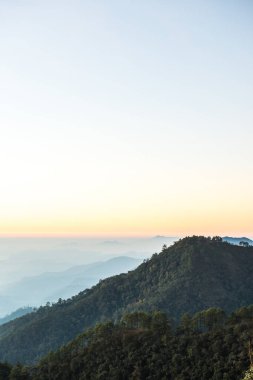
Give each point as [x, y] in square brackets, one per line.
[209, 345]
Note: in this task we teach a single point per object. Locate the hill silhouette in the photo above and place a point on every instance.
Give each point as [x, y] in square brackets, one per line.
[195, 273]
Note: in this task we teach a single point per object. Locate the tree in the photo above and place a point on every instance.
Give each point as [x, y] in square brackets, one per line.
[217, 239]
[19, 372]
[186, 321]
[136, 320]
[248, 374]
[244, 244]
[5, 370]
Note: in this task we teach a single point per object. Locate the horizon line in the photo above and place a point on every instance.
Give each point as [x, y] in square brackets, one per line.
[105, 236]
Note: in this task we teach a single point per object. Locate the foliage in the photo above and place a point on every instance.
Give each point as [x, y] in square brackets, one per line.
[5, 370]
[144, 346]
[195, 273]
[249, 375]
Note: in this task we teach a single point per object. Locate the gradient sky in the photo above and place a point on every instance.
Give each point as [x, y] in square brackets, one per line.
[126, 117]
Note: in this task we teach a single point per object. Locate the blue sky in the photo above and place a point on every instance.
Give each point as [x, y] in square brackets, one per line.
[129, 117]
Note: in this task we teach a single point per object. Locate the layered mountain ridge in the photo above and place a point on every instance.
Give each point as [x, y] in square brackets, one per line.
[194, 274]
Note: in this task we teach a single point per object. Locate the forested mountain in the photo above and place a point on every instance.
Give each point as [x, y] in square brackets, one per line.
[145, 346]
[194, 274]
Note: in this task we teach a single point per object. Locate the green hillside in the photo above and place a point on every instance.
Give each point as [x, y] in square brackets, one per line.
[194, 274]
[207, 346]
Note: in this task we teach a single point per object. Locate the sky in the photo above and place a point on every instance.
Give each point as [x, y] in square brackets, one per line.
[126, 118]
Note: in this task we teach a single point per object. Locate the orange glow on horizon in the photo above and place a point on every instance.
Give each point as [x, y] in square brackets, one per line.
[179, 216]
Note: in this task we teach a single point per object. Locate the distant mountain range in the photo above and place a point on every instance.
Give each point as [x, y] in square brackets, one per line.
[192, 275]
[49, 287]
[237, 240]
[16, 314]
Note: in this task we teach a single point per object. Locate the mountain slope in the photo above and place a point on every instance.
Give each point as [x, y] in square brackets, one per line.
[207, 346]
[143, 346]
[50, 286]
[193, 274]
